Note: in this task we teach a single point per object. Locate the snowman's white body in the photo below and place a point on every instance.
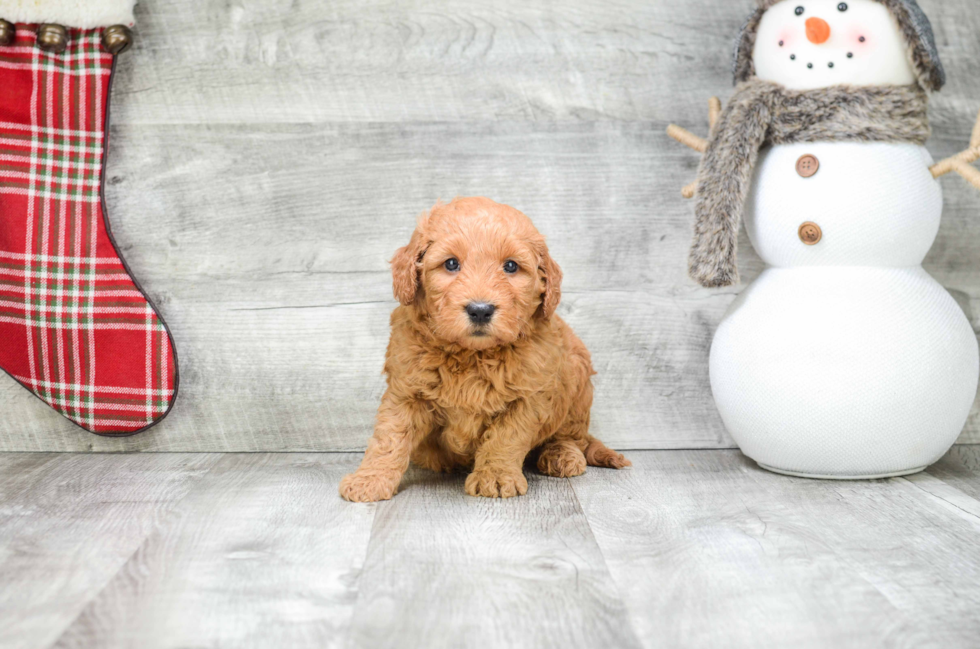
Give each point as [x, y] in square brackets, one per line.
[845, 359]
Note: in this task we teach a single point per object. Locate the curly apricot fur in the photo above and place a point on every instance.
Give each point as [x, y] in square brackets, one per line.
[479, 397]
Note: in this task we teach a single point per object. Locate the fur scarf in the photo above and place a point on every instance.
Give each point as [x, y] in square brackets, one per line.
[762, 113]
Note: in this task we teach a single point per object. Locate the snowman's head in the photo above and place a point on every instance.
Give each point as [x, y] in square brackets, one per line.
[808, 44]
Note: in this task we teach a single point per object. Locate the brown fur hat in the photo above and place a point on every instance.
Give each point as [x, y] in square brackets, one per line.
[912, 20]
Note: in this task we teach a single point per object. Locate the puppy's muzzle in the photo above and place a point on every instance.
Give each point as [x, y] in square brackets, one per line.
[480, 313]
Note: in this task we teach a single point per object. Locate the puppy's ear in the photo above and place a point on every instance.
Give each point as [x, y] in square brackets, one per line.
[551, 296]
[405, 267]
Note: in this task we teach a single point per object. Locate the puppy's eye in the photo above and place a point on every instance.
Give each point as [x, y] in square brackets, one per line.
[842, 6]
[510, 266]
[452, 264]
[799, 11]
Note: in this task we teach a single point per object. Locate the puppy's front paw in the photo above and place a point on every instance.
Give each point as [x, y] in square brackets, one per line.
[496, 484]
[365, 488]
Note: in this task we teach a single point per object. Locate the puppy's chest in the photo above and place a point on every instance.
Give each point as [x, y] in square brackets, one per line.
[472, 391]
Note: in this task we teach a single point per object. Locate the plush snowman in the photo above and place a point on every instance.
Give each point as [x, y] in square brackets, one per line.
[844, 359]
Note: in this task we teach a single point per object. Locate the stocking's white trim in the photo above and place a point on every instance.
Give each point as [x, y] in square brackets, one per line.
[84, 14]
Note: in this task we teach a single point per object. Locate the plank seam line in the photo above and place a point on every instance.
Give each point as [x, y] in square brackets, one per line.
[164, 520]
[347, 629]
[331, 305]
[945, 492]
[605, 564]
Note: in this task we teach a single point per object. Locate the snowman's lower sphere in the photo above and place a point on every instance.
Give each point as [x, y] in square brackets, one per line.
[845, 372]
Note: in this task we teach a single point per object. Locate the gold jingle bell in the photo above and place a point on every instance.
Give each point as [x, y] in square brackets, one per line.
[7, 32]
[52, 38]
[117, 39]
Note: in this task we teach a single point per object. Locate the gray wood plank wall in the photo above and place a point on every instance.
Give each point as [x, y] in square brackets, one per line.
[268, 158]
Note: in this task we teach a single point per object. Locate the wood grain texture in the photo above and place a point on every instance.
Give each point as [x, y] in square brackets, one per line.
[267, 159]
[686, 549]
[263, 553]
[285, 351]
[69, 523]
[709, 550]
[960, 469]
[448, 570]
[459, 61]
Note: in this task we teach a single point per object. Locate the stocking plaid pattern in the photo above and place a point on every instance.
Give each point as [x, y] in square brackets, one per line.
[74, 327]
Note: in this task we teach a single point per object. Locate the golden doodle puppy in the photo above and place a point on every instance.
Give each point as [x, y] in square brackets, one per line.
[480, 370]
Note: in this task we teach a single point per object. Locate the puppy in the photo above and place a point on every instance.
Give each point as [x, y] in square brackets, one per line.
[480, 370]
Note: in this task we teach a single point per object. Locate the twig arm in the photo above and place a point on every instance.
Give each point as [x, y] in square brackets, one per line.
[969, 173]
[687, 138]
[943, 167]
[975, 140]
[961, 161]
[714, 111]
[691, 140]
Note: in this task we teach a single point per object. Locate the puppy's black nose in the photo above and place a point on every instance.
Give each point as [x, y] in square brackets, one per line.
[480, 312]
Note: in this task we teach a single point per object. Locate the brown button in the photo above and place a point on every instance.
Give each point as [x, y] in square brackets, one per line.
[807, 165]
[810, 233]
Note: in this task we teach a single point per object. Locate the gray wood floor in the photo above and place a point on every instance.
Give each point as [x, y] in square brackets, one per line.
[686, 549]
[269, 157]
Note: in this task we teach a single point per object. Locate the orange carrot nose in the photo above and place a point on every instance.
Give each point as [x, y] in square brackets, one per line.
[817, 30]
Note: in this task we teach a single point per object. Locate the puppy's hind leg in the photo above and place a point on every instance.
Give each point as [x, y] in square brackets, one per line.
[597, 454]
[568, 453]
[593, 452]
[561, 458]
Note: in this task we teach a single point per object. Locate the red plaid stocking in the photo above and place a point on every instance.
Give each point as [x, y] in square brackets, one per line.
[75, 329]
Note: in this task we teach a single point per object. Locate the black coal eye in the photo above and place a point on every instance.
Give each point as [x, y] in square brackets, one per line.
[842, 6]
[799, 11]
[452, 264]
[510, 266]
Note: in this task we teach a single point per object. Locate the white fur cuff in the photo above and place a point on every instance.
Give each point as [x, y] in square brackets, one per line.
[83, 14]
